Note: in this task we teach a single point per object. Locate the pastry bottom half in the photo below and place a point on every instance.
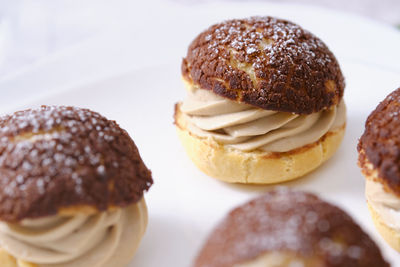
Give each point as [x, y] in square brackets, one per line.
[391, 236]
[257, 167]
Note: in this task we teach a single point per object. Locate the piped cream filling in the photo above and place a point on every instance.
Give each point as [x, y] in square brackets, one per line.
[248, 128]
[385, 204]
[100, 240]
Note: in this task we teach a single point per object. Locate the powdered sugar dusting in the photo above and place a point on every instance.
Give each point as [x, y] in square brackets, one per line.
[269, 39]
[46, 136]
[266, 62]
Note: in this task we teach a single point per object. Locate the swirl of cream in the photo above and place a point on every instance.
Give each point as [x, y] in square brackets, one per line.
[248, 128]
[384, 203]
[100, 240]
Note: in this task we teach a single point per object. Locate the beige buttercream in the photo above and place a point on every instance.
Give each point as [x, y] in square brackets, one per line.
[248, 128]
[384, 203]
[100, 240]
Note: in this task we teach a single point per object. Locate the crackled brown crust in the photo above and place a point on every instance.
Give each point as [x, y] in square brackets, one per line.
[380, 143]
[266, 62]
[284, 220]
[61, 157]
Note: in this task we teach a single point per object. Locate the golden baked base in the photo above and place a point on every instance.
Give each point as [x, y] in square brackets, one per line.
[7, 260]
[391, 236]
[258, 167]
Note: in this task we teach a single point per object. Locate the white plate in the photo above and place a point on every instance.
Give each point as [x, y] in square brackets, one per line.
[184, 204]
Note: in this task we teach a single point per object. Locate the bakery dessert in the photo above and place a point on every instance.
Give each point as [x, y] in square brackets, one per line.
[71, 190]
[286, 228]
[264, 101]
[379, 159]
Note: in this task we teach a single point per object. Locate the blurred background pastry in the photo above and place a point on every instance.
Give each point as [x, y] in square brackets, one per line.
[285, 228]
[264, 101]
[379, 159]
[71, 190]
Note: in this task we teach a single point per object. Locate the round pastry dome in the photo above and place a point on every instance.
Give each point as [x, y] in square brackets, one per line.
[380, 143]
[55, 158]
[288, 228]
[266, 62]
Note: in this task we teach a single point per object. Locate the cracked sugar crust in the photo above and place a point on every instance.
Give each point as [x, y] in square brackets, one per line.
[56, 157]
[284, 220]
[265, 62]
[380, 142]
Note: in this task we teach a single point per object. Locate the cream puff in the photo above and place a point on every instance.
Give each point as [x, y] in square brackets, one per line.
[286, 228]
[264, 101]
[379, 160]
[71, 190]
